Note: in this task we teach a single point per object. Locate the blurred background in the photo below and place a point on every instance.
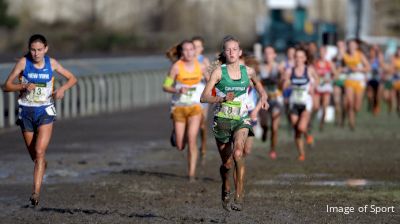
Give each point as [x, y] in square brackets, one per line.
[131, 27]
[110, 160]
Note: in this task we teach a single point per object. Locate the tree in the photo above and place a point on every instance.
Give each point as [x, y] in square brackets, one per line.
[7, 21]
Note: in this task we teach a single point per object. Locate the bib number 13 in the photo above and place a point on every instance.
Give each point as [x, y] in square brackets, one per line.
[39, 94]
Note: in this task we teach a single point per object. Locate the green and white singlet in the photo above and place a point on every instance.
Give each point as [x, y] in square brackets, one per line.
[232, 115]
[238, 108]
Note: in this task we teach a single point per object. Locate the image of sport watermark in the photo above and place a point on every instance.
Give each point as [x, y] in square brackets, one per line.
[375, 209]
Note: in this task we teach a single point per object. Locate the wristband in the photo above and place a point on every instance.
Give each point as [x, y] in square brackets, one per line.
[168, 82]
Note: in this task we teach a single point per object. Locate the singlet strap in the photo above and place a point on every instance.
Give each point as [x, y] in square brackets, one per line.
[224, 70]
[243, 70]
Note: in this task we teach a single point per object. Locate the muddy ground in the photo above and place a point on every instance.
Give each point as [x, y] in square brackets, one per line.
[120, 168]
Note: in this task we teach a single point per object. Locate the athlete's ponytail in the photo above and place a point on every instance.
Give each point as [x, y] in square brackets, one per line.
[175, 52]
[172, 53]
[221, 58]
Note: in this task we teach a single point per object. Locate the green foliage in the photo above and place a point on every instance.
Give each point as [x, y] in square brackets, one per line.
[7, 21]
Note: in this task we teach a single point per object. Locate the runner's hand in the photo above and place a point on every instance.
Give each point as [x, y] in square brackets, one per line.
[58, 94]
[264, 105]
[253, 115]
[30, 86]
[230, 96]
[183, 90]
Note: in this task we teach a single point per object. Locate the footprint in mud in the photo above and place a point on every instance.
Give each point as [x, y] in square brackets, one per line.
[114, 164]
[82, 162]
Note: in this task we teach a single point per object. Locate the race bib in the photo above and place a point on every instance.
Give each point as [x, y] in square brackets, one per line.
[356, 76]
[51, 110]
[299, 95]
[187, 98]
[325, 79]
[230, 110]
[39, 94]
[342, 76]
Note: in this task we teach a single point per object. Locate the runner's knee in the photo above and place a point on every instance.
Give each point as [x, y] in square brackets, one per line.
[226, 166]
[40, 154]
[302, 129]
[237, 155]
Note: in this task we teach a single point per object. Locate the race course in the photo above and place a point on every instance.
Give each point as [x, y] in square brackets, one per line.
[120, 168]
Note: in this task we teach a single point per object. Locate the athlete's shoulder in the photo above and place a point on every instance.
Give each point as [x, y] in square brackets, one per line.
[218, 69]
[310, 69]
[21, 63]
[54, 63]
[52, 60]
[249, 70]
[175, 66]
[22, 60]
[217, 72]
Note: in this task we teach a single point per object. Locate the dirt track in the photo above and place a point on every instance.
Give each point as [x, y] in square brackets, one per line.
[121, 169]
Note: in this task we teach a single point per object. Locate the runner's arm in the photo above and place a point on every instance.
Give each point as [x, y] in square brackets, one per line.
[204, 70]
[335, 72]
[254, 112]
[259, 87]
[367, 66]
[206, 96]
[281, 67]
[392, 67]
[59, 93]
[168, 85]
[286, 79]
[314, 79]
[313, 74]
[9, 85]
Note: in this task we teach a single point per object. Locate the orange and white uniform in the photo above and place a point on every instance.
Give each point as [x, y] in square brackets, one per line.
[185, 105]
[354, 80]
[396, 75]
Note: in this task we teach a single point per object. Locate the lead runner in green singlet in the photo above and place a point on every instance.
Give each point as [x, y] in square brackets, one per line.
[231, 120]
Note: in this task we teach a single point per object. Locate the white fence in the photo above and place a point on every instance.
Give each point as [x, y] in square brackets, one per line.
[97, 94]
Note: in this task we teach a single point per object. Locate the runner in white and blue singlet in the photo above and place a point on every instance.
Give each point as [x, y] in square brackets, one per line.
[36, 110]
[301, 80]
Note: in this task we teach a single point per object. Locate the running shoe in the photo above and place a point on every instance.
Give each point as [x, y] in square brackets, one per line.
[301, 158]
[34, 199]
[272, 154]
[192, 179]
[226, 199]
[310, 140]
[237, 205]
[376, 111]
